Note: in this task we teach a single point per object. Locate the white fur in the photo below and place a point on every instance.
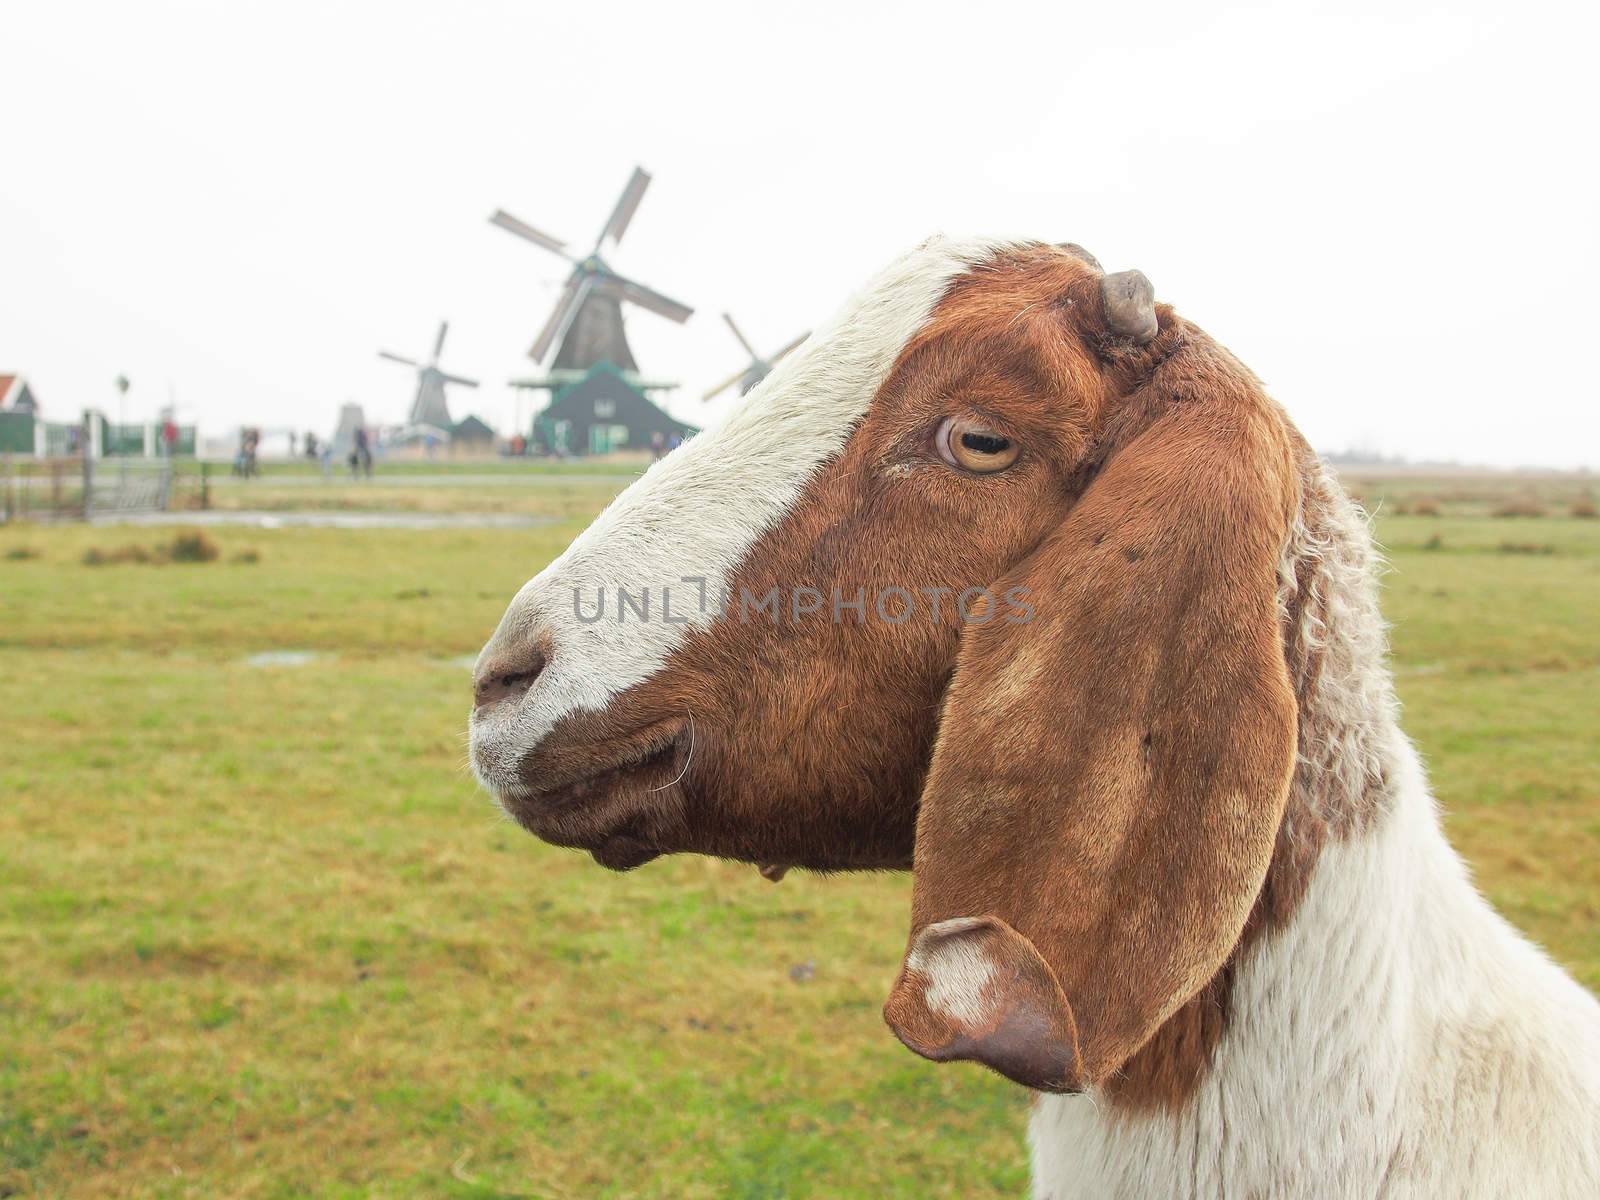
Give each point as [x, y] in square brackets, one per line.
[1397, 1038]
[957, 972]
[697, 513]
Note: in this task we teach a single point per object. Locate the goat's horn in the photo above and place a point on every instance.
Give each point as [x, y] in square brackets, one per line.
[1129, 300]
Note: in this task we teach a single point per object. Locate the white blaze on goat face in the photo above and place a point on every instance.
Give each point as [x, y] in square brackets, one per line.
[693, 517]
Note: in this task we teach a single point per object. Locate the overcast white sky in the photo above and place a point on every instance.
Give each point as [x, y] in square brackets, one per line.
[1388, 210]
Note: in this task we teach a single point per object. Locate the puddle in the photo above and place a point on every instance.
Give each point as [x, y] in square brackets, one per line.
[332, 520]
[282, 658]
[299, 658]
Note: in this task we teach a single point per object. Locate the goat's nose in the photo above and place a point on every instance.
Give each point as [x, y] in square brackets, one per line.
[509, 674]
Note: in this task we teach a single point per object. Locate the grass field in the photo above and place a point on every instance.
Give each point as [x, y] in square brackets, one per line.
[260, 936]
[575, 489]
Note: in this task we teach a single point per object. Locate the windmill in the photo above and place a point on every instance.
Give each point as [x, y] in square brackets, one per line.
[351, 418]
[756, 370]
[587, 319]
[599, 401]
[430, 407]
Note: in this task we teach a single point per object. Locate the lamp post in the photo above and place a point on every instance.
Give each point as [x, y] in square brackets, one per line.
[122, 424]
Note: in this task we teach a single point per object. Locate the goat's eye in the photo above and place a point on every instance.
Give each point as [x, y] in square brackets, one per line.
[964, 443]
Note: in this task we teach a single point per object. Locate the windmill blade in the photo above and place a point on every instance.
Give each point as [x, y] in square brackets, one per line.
[627, 205]
[523, 230]
[457, 379]
[794, 345]
[576, 291]
[743, 341]
[438, 345]
[649, 298]
[725, 384]
[410, 362]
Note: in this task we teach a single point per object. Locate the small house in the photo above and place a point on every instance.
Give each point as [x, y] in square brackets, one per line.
[471, 436]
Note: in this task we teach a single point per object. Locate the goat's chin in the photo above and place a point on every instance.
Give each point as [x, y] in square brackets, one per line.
[623, 852]
[620, 833]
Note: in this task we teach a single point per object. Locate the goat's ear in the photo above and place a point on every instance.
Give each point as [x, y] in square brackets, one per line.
[1110, 773]
[1080, 253]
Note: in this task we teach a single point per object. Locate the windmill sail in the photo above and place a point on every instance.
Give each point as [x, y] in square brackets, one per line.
[644, 297]
[743, 341]
[523, 230]
[573, 295]
[627, 205]
[757, 369]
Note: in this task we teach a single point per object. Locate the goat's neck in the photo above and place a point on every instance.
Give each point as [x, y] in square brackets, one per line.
[1308, 1091]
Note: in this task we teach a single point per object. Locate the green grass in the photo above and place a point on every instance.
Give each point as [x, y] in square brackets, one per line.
[260, 936]
[557, 495]
[576, 489]
[621, 465]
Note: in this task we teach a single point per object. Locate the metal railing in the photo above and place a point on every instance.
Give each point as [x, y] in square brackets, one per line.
[81, 487]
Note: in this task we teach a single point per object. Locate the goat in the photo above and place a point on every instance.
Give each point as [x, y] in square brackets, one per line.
[1175, 867]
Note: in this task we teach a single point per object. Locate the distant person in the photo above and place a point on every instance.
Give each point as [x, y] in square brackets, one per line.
[674, 442]
[244, 462]
[361, 454]
[169, 437]
[293, 442]
[658, 444]
[311, 447]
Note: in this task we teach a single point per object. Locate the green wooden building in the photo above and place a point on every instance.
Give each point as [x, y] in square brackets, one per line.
[598, 399]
